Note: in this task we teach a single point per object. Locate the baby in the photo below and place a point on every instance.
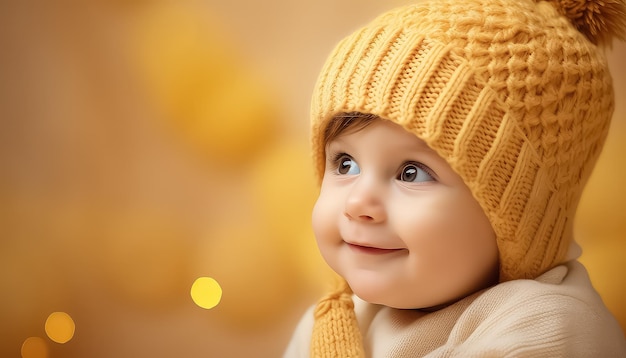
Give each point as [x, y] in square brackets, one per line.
[453, 139]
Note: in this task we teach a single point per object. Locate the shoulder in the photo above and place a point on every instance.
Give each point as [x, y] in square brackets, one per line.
[558, 313]
[564, 289]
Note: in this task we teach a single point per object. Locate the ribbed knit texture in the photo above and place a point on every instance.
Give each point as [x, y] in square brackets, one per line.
[336, 332]
[508, 92]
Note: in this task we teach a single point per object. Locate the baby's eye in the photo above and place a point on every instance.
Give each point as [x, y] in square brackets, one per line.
[415, 173]
[347, 165]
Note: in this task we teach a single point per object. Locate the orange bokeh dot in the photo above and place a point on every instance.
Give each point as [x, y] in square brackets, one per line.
[34, 347]
[60, 327]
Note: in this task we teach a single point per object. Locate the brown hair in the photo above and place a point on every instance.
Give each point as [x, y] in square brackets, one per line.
[345, 121]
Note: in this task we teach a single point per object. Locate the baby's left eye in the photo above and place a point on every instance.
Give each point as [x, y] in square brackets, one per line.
[414, 173]
[347, 166]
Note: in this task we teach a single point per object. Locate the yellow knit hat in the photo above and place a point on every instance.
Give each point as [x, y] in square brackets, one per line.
[516, 96]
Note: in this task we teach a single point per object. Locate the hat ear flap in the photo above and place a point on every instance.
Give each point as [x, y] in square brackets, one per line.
[336, 331]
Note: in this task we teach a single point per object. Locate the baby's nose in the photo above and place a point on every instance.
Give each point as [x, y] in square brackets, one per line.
[365, 201]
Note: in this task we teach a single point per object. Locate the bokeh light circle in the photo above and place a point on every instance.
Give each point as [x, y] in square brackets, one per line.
[60, 327]
[206, 292]
[34, 347]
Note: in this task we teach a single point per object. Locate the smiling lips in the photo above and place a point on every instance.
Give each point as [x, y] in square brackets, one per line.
[370, 250]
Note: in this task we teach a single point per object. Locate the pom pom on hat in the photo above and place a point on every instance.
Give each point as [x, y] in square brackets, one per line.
[599, 20]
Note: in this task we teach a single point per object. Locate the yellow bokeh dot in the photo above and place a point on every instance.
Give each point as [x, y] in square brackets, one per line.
[60, 327]
[206, 292]
[34, 347]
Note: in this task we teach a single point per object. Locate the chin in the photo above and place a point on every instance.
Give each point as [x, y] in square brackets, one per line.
[375, 295]
[381, 296]
[384, 301]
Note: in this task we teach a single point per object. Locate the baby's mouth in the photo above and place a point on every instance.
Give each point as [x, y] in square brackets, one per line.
[370, 250]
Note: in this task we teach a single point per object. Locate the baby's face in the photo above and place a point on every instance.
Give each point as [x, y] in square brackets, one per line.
[398, 223]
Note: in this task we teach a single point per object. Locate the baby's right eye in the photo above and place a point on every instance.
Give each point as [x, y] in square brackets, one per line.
[346, 165]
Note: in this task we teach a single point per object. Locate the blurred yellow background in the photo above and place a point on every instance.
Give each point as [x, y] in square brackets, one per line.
[148, 143]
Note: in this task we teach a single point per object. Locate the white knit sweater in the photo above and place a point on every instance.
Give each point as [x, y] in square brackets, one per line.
[557, 315]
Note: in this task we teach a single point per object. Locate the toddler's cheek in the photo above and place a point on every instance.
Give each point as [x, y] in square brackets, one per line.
[322, 216]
